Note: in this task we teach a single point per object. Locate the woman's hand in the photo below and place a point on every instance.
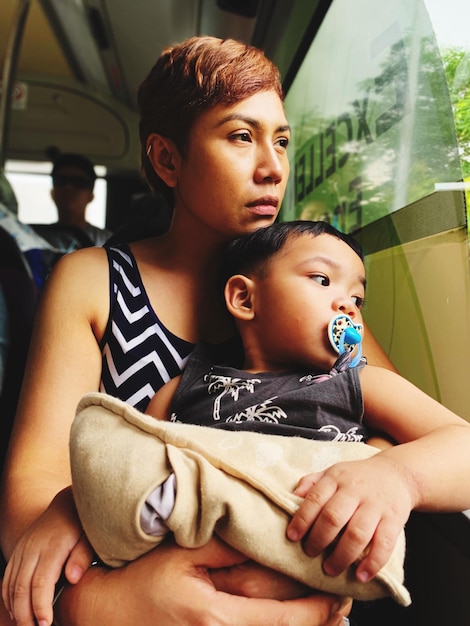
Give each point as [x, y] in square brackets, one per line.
[55, 539]
[5, 619]
[171, 586]
[252, 580]
[358, 509]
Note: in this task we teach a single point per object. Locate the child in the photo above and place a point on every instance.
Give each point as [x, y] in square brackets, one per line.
[284, 285]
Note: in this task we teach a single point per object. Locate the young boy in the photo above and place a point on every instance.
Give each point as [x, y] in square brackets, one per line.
[284, 285]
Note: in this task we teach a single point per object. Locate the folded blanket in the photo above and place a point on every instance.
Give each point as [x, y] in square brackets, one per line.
[238, 485]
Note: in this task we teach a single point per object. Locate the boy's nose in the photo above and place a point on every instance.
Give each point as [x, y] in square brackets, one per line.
[346, 306]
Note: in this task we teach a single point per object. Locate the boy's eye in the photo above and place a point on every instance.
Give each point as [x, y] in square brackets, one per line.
[358, 301]
[321, 279]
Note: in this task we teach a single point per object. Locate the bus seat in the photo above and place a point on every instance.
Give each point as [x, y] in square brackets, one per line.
[23, 249]
[10, 254]
[25, 261]
[64, 238]
[7, 195]
[20, 294]
[150, 215]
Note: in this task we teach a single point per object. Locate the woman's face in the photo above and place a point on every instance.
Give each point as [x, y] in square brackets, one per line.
[234, 176]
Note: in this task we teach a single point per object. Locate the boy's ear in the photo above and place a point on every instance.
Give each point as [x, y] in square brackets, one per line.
[239, 297]
[163, 154]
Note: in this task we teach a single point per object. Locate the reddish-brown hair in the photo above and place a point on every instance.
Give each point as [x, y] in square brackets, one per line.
[190, 78]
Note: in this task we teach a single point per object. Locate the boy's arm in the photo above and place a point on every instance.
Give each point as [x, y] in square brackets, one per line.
[366, 503]
[435, 440]
[160, 503]
[396, 407]
[160, 405]
[380, 442]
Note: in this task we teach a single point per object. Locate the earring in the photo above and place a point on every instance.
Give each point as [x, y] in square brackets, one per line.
[149, 149]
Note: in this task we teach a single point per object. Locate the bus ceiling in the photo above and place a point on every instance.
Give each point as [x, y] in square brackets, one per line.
[71, 68]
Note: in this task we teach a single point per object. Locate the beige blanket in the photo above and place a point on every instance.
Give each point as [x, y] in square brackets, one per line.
[236, 484]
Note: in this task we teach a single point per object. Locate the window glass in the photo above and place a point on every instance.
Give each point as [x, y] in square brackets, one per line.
[450, 22]
[372, 114]
[32, 185]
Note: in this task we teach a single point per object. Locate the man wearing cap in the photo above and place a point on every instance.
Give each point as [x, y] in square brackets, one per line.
[73, 179]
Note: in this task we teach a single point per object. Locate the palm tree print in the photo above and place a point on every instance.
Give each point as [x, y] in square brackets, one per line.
[227, 385]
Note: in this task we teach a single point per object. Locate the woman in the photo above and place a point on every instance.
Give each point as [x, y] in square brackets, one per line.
[214, 140]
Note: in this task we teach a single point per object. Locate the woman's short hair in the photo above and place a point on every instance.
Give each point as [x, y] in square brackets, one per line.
[190, 78]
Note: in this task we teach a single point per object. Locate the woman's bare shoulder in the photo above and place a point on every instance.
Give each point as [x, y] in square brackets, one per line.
[82, 260]
[79, 284]
[84, 268]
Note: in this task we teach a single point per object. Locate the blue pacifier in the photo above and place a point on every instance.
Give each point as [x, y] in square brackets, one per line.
[345, 336]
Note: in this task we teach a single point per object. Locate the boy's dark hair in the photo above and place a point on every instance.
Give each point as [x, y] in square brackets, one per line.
[250, 253]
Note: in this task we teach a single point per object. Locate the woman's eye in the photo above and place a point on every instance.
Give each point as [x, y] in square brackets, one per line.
[241, 136]
[321, 279]
[282, 142]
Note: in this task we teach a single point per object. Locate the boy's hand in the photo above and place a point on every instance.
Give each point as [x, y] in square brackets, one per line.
[35, 566]
[357, 508]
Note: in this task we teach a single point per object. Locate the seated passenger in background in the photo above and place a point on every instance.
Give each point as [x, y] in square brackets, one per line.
[73, 180]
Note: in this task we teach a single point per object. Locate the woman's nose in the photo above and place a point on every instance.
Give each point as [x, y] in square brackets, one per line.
[270, 167]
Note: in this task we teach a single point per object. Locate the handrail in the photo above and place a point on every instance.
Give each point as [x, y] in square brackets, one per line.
[15, 37]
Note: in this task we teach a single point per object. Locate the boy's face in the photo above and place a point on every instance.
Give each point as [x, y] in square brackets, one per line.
[311, 280]
[235, 172]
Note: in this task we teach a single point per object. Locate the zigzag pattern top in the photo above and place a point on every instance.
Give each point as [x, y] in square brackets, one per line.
[139, 355]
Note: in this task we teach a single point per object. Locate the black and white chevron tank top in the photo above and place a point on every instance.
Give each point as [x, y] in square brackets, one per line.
[139, 355]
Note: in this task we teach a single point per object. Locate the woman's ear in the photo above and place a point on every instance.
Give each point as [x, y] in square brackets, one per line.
[239, 297]
[163, 155]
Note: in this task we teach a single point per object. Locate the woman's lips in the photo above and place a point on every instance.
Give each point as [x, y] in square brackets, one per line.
[264, 206]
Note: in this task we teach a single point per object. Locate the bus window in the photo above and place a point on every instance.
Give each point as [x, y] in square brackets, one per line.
[31, 182]
[381, 122]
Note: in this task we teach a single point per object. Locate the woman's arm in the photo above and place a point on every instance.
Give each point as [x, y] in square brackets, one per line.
[178, 592]
[374, 352]
[64, 363]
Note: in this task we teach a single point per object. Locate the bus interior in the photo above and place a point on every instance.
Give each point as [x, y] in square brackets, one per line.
[378, 98]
